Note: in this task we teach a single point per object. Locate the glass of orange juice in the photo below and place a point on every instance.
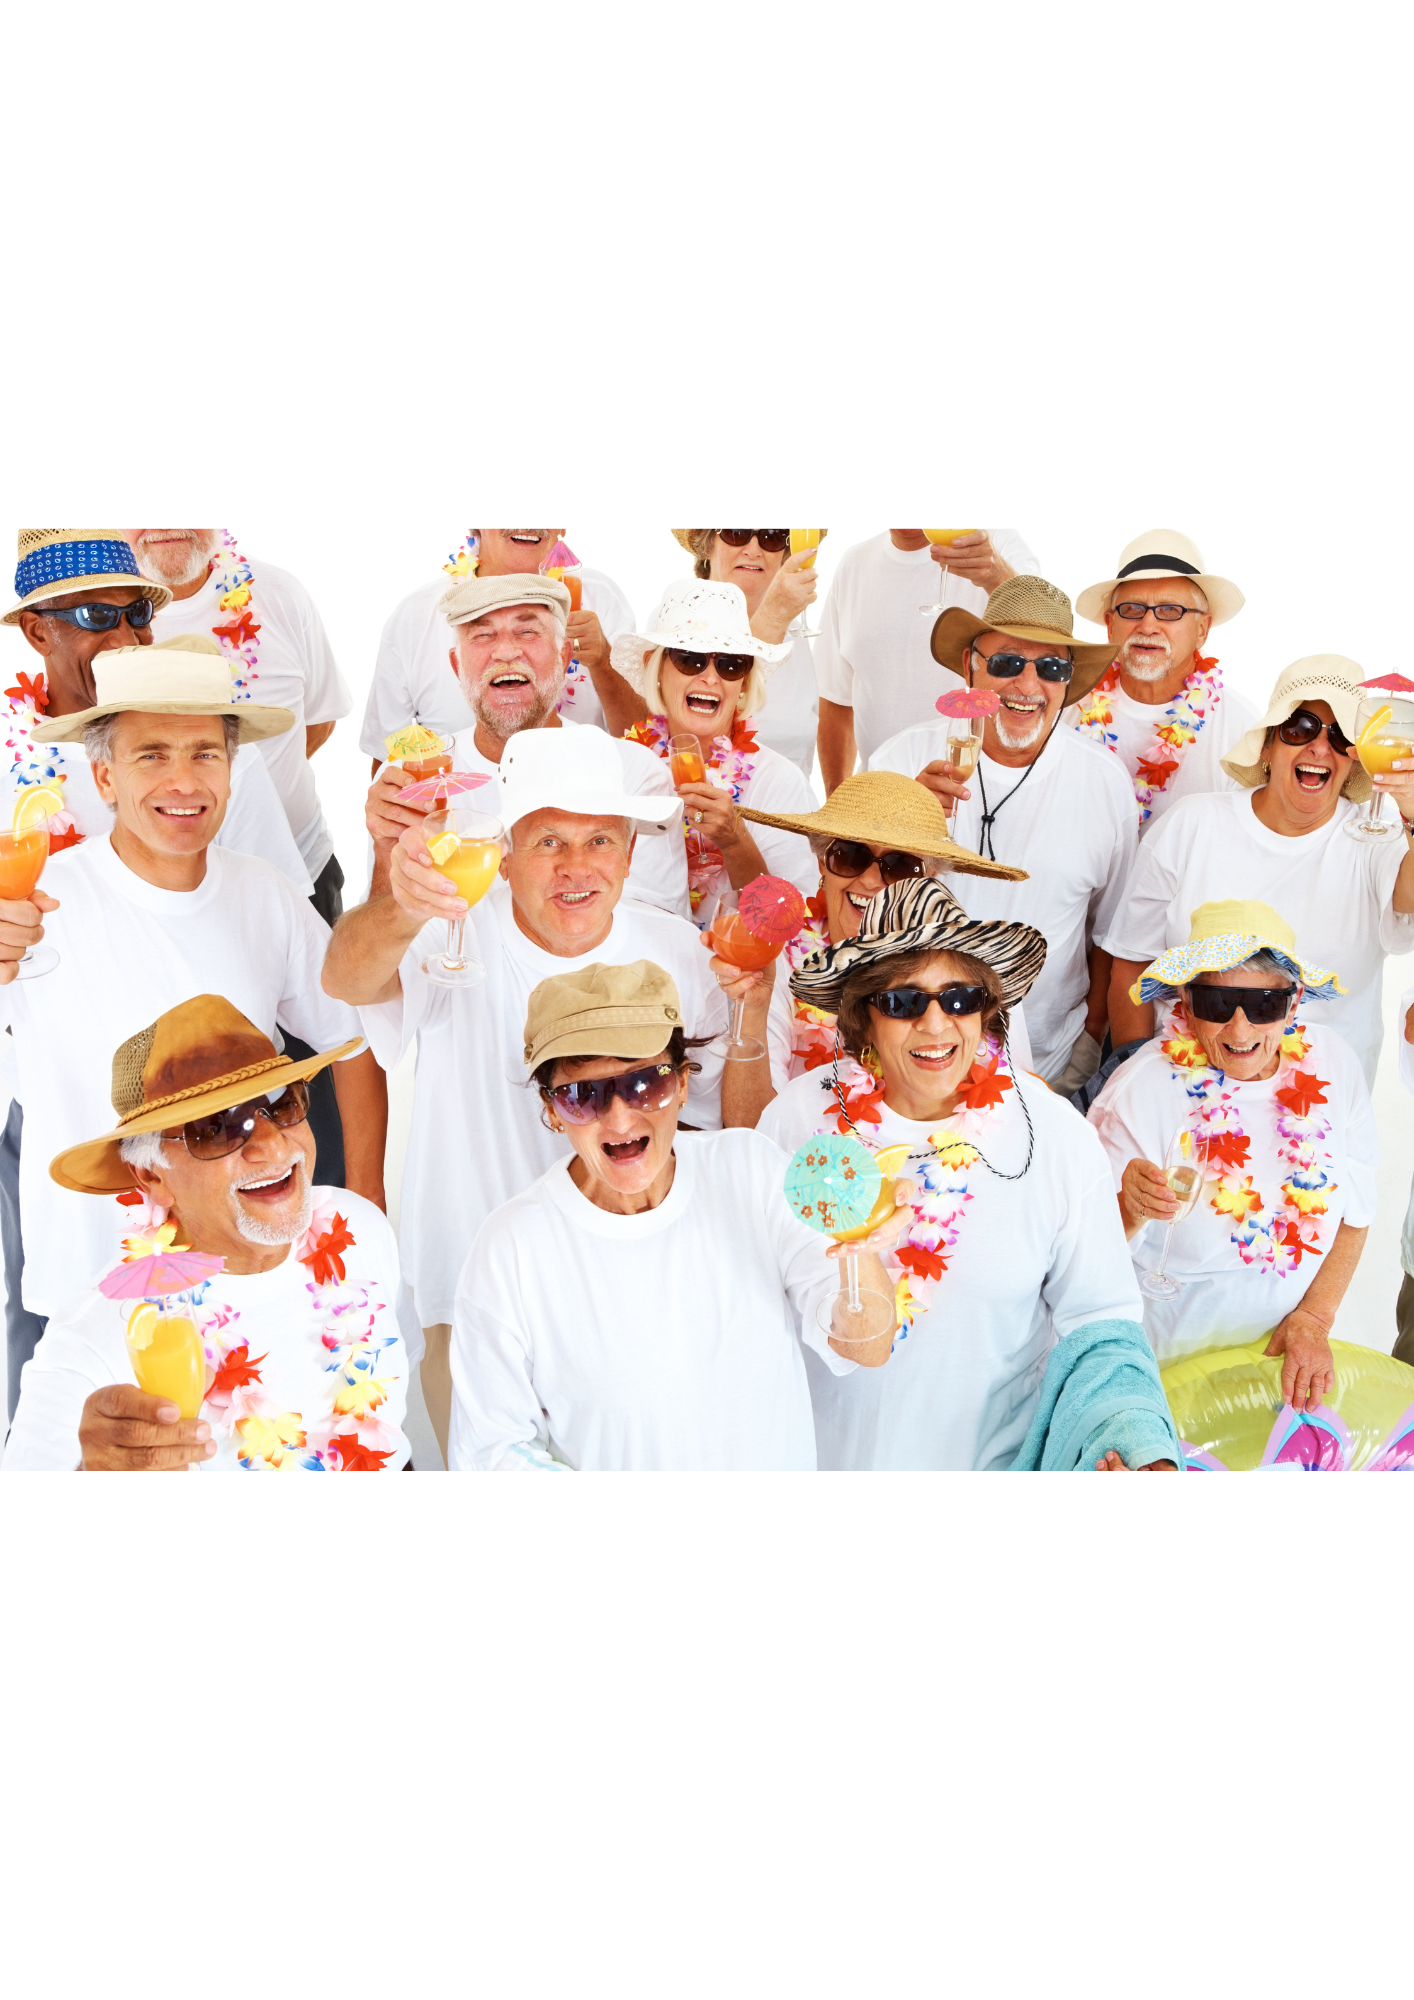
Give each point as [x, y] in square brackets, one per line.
[165, 1349]
[685, 760]
[466, 847]
[806, 539]
[24, 848]
[1384, 730]
[943, 538]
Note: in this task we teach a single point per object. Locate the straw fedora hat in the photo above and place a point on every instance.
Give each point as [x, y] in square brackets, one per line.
[700, 617]
[55, 562]
[1162, 552]
[201, 1057]
[921, 916]
[1024, 607]
[1222, 935]
[1321, 677]
[174, 677]
[885, 809]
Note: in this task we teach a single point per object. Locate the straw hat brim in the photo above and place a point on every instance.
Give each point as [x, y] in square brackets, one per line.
[1179, 966]
[955, 630]
[95, 1167]
[1015, 952]
[1244, 760]
[890, 819]
[72, 586]
[256, 722]
[1225, 600]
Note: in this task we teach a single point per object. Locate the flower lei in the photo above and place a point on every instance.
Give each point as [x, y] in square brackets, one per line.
[812, 1029]
[238, 633]
[463, 562]
[1175, 732]
[919, 1261]
[349, 1436]
[1275, 1238]
[734, 759]
[34, 763]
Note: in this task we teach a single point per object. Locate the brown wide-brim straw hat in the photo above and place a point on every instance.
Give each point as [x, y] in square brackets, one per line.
[201, 1057]
[683, 536]
[175, 677]
[1324, 677]
[885, 809]
[1024, 607]
[66, 562]
[917, 916]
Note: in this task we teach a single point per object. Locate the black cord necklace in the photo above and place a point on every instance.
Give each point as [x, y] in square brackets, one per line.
[985, 846]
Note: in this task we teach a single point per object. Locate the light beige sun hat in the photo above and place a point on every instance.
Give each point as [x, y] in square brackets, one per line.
[57, 562]
[1325, 677]
[1157, 553]
[188, 676]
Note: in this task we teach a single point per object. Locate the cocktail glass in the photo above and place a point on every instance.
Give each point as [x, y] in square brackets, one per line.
[1185, 1163]
[1384, 730]
[167, 1355]
[860, 1314]
[942, 538]
[685, 760]
[730, 939]
[964, 747]
[429, 763]
[466, 847]
[806, 538]
[24, 849]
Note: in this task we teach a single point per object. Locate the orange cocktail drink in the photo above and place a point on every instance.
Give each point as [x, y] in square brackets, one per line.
[167, 1356]
[472, 865]
[22, 859]
[732, 941]
[805, 538]
[427, 767]
[686, 762]
[466, 849]
[945, 537]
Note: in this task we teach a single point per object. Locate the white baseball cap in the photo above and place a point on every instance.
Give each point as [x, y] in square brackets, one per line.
[578, 769]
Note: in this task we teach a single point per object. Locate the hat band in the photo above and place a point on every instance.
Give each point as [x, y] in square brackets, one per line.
[1173, 565]
[204, 1089]
[61, 562]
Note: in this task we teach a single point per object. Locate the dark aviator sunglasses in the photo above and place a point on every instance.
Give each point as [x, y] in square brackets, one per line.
[227, 1131]
[652, 1088]
[848, 859]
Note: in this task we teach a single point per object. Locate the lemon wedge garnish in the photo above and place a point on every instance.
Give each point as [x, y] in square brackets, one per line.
[1377, 721]
[35, 808]
[142, 1321]
[443, 847]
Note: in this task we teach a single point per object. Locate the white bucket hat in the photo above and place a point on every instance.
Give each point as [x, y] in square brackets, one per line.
[1163, 552]
[1324, 677]
[576, 771]
[701, 618]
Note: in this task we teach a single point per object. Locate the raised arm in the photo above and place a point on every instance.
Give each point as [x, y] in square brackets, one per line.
[361, 965]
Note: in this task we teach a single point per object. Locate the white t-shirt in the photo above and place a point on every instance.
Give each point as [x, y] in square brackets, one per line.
[292, 1364]
[658, 872]
[790, 718]
[1336, 894]
[477, 1137]
[128, 952]
[668, 1341]
[1231, 1294]
[294, 669]
[414, 679]
[873, 653]
[1033, 1260]
[1073, 826]
[1129, 735]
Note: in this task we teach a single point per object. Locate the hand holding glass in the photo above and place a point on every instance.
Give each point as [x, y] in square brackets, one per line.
[1184, 1170]
[731, 940]
[24, 849]
[466, 847]
[1384, 730]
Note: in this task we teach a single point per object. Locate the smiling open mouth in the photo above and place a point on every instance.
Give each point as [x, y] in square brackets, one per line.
[621, 1151]
[704, 704]
[510, 679]
[575, 899]
[935, 1058]
[1311, 777]
[268, 1189]
[180, 812]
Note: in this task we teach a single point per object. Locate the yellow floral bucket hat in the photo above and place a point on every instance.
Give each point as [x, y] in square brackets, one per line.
[1222, 935]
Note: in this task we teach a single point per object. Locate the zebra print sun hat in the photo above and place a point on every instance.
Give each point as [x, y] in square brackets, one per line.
[921, 916]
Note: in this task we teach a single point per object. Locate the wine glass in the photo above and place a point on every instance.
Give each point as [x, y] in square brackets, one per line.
[1384, 730]
[1184, 1166]
[942, 538]
[860, 1314]
[466, 847]
[730, 939]
[25, 811]
[806, 538]
[964, 747]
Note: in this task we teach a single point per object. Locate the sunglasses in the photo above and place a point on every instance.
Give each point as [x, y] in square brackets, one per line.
[1006, 666]
[1261, 1004]
[227, 1131]
[775, 541]
[850, 858]
[1167, 614]
[105, 617]
[731, 666]
[911, 1003]
[1304, 727]
[653, 1088]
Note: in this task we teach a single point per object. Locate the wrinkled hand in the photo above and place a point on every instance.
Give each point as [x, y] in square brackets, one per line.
[1112, 1462]
[786, 596]
[946, 782]
[20, 928]
[384, 817]
[420, 890]
[719, 822]
[973, 558]
[1147, 1195]
[587, 641]
[1399, 784]
[123, 1429]
[738, 984]
[1308, 1370]
[883, 1238]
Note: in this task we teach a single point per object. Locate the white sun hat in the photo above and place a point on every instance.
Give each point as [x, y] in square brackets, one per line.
[1159, 553]
[701, 618]
[577, 770]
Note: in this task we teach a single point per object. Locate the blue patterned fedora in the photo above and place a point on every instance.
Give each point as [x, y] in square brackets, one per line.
[57, 561]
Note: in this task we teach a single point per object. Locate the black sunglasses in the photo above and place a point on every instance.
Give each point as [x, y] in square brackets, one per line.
[1167, 614]
[850, 858]
[775, 541]
[1006, 666]
[731, 666]
[104, 617]
[227, 1131]
[911, 1003]
[1261, 1004]
[650, 1089]
[1304, 727]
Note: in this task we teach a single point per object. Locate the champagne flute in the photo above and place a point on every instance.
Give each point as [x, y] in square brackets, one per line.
[806, 538]
[942, 538]
[731, 940]
[1184, 1165]
[466, 847]
[964, 747]
[25, 811]
[1384, 730]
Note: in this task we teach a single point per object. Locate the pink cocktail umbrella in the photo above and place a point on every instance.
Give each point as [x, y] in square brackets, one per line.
[966, 702]
[1391, 684]
[151, 1267]
[446, 785]
[561, 557]
[772, 909]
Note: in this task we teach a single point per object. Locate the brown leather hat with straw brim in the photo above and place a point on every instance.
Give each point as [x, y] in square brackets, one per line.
[885, 809]
[201, 1057]
[1024, 607]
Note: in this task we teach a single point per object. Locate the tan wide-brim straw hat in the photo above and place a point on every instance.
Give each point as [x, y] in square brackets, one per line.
[1152, 556]
[62, 562]
[1024, 607]
[200, 1057]
[1325, 677]
[921, 916]
[175, 677]
[885, 809]
[683, 536]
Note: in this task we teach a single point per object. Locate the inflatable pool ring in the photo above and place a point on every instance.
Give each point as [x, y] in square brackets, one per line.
[1227, 1407]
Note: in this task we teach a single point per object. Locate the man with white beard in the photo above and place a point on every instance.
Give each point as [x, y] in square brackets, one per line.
[1040, 799]
[1161, 707]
